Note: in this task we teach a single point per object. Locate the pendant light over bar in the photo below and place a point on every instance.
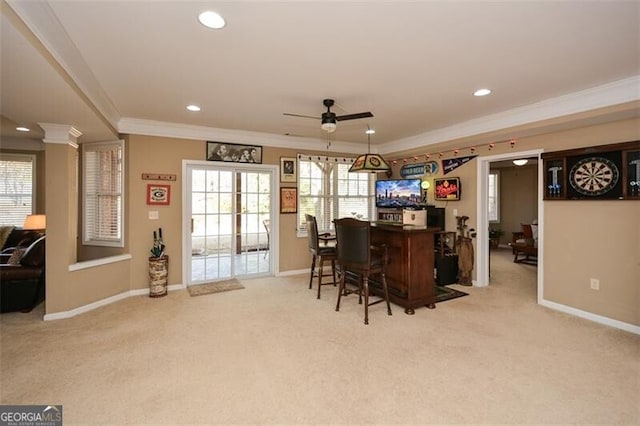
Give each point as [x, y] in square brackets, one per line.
[370, 163]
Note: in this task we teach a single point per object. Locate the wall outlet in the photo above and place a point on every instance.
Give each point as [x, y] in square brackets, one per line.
[595, 284]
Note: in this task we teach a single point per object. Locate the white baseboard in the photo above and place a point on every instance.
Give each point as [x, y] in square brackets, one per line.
[104, 302]
[289, 273]
[591, 317]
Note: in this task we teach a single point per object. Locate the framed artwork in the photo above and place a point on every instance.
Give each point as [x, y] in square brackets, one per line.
[288, 169]
[234, 153]
[288, 200]
[159, 195]
[447, 189]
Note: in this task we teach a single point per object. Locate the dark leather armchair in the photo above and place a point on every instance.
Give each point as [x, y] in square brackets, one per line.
[22, 286]
[357, 256]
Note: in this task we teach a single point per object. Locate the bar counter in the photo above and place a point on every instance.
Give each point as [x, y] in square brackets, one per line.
[410, 270]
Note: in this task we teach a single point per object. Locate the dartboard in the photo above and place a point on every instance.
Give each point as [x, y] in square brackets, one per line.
[593, 176]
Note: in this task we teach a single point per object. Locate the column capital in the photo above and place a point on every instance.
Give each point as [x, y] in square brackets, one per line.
[60, 133]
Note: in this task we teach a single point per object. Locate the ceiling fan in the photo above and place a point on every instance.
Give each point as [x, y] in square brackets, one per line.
[329, 118]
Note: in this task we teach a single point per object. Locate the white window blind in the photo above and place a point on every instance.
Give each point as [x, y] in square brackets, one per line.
[494, 196]
[103, 202]
[17, 177]
[328, 191]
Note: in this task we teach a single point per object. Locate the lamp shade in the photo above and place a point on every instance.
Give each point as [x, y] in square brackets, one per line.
[35, 222]
[369, 163]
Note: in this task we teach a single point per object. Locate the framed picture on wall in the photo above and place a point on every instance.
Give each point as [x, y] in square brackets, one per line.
[288, 169]
[158, 195]
[233, 152]
[288, 200]
[447, 189]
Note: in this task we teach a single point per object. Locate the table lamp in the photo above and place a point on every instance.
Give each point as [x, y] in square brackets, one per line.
[35, 222]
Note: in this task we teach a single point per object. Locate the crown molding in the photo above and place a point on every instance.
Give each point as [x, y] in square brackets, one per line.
[607, 95]
[60, 134]
[41, 20]
[137, 126]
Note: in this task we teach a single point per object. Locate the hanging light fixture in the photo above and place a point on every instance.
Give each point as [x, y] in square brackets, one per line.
[369, 162]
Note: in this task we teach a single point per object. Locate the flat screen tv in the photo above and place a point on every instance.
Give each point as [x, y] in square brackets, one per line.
[398, 193]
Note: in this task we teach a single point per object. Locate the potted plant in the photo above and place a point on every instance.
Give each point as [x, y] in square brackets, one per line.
[494, 237]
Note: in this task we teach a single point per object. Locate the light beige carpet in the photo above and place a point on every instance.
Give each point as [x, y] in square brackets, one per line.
[218, 287]
[274, 354]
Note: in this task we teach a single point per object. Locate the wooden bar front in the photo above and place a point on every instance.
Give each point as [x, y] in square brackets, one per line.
[410, 270]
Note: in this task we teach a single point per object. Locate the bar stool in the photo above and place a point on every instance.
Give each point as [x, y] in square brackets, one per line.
[356, 254]
[320, 253]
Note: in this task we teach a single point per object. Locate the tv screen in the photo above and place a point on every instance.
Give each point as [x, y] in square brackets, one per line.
[398, 193]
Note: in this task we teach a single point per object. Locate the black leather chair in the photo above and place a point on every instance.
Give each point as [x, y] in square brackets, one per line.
[323, 249]
[357, 256]
[22, 285]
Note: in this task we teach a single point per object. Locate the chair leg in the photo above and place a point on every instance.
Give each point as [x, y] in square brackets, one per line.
[340, 290]
[320, 274]
[313, 268]
[386, 292]
[366, 299]
[333, 271]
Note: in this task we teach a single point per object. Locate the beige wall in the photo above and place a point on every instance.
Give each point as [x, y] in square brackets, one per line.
[582, 239]
[518, 199]
[599, 239]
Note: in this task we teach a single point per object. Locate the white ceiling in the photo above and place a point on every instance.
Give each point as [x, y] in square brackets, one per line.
[133, 66]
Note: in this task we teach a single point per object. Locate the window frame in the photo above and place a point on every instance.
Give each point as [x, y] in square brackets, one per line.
[331, 180]
[87, 240]
[31, 158]
[495, 195]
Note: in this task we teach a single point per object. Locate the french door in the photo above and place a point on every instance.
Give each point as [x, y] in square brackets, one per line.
[230, 212]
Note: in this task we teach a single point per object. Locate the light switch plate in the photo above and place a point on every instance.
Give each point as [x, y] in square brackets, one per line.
[154, 215]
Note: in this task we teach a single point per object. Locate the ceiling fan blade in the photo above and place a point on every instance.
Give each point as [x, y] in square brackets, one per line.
[354, 116]
[299, 115]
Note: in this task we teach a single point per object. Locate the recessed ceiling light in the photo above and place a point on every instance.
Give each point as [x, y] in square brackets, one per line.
[211, 20]
[481, 92]
[22, 129]
[194, 108]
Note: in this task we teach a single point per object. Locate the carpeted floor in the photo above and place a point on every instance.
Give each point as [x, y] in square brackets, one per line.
[275, 354]
[211, 288]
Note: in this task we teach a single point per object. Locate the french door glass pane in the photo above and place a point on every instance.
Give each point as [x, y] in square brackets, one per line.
[228, 210]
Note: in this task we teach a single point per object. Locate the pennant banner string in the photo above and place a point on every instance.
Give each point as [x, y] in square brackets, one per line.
[473, 150]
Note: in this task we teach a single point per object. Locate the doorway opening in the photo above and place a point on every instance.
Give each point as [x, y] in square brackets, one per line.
[483, 241]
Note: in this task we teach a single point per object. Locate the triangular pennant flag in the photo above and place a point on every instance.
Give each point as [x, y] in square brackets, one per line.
[451, 164]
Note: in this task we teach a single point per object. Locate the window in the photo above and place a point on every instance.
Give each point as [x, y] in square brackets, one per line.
[494, 196]
[103, 202]
[327, 191]
[17, 179]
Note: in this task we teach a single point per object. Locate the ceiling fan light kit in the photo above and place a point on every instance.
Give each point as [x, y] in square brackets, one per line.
[328, 122]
